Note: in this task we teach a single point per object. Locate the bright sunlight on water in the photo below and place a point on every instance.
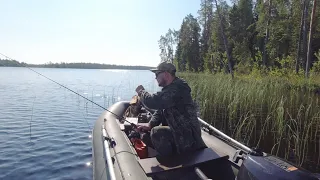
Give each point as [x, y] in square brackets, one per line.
[45, 129]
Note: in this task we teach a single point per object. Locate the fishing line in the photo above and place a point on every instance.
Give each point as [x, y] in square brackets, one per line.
[86, 120]
[32, 115]
[120, 118]
[105, 167]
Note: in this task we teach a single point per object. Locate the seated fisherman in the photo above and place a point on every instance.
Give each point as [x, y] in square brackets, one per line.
[180, 131]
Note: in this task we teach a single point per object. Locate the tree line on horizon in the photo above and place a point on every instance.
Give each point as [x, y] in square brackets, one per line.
[267, 35]
[14, 63]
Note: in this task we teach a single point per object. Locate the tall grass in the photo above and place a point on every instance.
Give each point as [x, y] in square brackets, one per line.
[279, 115]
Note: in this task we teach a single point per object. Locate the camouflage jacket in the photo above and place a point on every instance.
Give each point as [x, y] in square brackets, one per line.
[174, 107]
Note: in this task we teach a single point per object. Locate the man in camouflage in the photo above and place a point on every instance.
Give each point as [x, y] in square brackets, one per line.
[175, 110]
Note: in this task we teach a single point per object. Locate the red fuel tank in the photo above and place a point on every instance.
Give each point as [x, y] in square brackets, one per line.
[140, 147]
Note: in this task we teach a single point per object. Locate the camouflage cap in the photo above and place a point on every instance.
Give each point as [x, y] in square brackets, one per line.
[164, 66]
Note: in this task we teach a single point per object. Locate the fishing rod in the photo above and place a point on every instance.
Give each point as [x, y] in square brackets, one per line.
[119, 117]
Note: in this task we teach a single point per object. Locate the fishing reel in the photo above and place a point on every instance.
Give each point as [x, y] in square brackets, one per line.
[144, 117]
[134, 134]
[140, 147]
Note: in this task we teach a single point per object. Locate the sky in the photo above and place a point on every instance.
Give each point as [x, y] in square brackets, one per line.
[123, 32]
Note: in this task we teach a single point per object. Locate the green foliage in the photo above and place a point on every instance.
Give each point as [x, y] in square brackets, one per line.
[166, 45]
[11, 63]
[272, 113]
[316, 66]
[205, 20]
[259, 33]
[188, 48]
[269, 102]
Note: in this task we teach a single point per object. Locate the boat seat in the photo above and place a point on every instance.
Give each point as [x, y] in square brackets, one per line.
[155, 165]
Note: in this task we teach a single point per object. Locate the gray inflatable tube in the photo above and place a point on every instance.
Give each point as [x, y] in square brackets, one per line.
[115, 158]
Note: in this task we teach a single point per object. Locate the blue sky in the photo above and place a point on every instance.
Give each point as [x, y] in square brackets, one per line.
[100, 31]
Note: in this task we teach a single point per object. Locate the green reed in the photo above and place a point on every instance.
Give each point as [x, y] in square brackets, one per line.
[279, 115]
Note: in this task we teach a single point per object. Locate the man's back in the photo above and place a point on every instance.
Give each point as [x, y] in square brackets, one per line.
[182, 117]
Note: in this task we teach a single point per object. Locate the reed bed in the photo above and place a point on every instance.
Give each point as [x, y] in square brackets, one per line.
[281, 116]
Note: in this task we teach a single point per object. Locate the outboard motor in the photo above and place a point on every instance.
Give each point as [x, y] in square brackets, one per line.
[272, 168]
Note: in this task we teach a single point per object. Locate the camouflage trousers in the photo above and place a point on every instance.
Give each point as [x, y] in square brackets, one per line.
[161, 139]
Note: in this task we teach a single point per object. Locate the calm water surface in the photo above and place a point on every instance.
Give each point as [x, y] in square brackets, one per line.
[45, 129]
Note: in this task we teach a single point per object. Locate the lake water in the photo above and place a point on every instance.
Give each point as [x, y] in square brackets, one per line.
[45, 128]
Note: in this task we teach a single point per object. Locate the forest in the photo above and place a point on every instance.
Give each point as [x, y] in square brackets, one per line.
[14, 63]
[269, 36]
[253, 67]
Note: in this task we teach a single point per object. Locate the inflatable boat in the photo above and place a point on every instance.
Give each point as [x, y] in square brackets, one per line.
[119, 154]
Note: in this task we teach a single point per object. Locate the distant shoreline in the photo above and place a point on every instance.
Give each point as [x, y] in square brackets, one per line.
[13, 63]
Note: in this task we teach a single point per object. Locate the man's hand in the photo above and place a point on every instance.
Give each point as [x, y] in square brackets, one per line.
[143, 128]
[139, 88]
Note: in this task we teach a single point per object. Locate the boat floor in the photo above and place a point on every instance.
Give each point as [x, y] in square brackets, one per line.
[221, 168]
[211, 141]
[212, 164]
[215, 169]
[219, 146]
